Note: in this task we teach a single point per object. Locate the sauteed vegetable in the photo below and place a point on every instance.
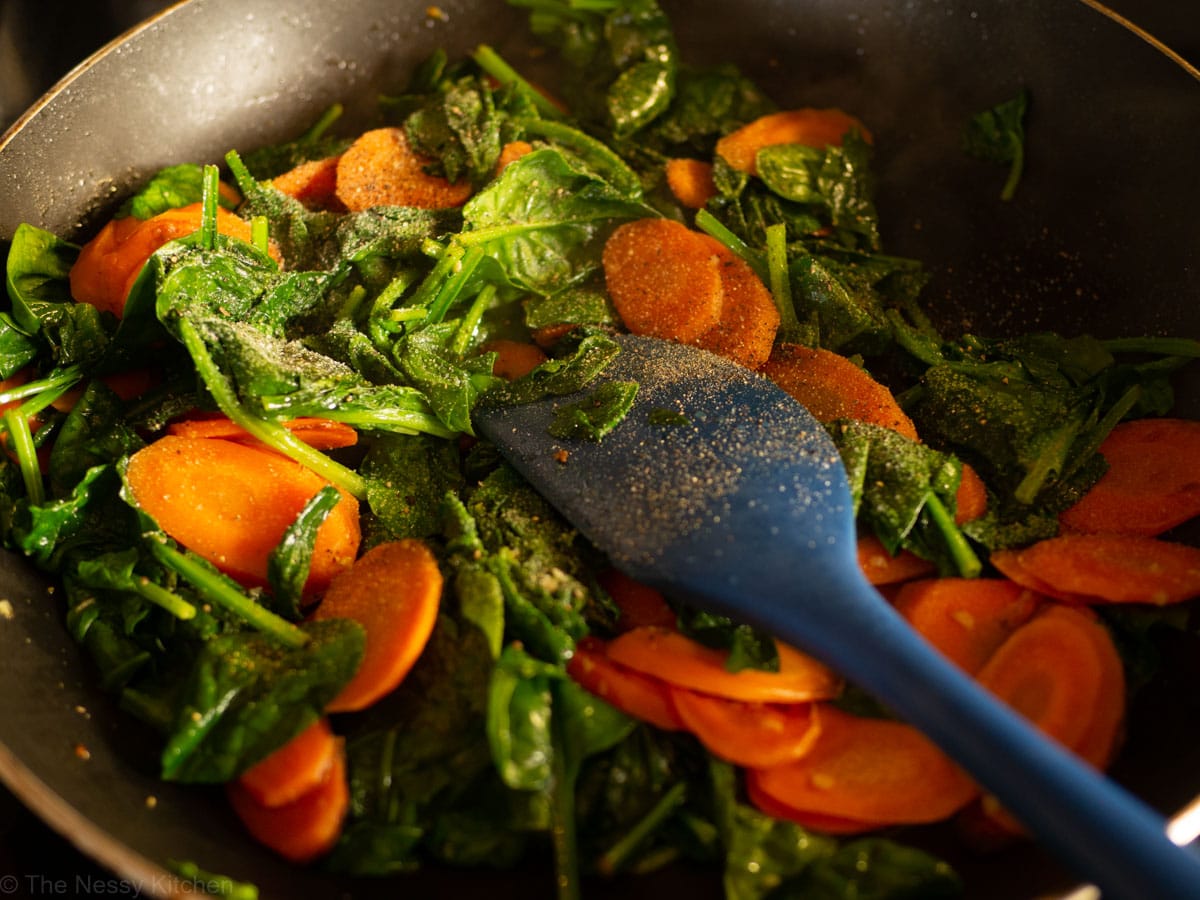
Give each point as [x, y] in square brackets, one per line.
[237, 425]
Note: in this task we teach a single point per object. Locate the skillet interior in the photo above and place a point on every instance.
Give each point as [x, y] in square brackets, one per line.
[1098, 238]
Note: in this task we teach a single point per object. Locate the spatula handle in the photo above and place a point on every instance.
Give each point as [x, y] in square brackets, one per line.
[1098, 828]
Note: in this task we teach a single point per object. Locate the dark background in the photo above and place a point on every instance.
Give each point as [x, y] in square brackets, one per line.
[33, 55]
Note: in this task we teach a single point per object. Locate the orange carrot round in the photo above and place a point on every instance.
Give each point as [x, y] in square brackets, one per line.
[813, 821]
[749, 320]
[232, 503]
[294, 769]
[691, 181]
[510, 153]
[394, 592]
[639, 603]
[748, 734]
[870, 770]
[832, 387]
[323, 434]
[381, 169]
[305, 828]
[679, 660]
[109, 263]
[971, 500]
[313, 183]
[514, 358]
[967, 619]
[811, 127]
[1107, 568]
[664, 279]
[882, 568]
[1152, 483]
[640, 696]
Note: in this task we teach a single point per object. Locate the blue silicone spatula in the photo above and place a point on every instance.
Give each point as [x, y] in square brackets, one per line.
[742, 507]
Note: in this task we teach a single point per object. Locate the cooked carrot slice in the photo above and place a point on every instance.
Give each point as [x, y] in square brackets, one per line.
[639, 603]
[679, 660]
[1063, 673]
[394, 592]
[967, 619]
[308, 826]
[748, 734]
[1152, 483]
[1107, 568]
[514, 358]
[110, 262]
[380, 169]
[813, 821]
[811, 127]
[294, 769]
[635, 694]
[664, 279]
[749, 318]
[313, 183]
[232, 503]
[883, 568]
[870, 770]
[832, 387]
[510, 153]
[971, 500]
[691, 181]
[323, 434]
[1050, 673]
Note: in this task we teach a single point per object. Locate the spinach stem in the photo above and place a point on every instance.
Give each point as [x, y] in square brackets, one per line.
[470, 322]
[21, 441]
[609, 165]
[161, 597]
[494, 64]
[219, 590]
[965, 558]
[714, 227]
[617, 857]
[44, 390]
[271, 433]
[779, 278]
[208, 205]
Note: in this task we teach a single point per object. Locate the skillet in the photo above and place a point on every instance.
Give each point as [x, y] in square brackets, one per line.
[1099, 238]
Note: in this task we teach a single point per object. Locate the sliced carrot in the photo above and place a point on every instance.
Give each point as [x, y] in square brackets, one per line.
[394, 592]
[232, 503]
[691, 181]
[110, 262]
[323, 434]
[870, 770]
[749, 318]
[305, 828]
[639, 603]
[811, 127]
[664, 279]
[679, 660]
[967, 619]
[1107, 568]
[748, 734]
[510, 153]
[832, 387]
[971, 500]
[1050, 673]
[380, 169]
[635, 694]
[514, 358]
[1152, 483]
[882, 568]
[294, 769]
[813, 821]
[1062, 672]
[313, 183]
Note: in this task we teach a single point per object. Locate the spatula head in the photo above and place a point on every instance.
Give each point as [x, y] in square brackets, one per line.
[714, 472]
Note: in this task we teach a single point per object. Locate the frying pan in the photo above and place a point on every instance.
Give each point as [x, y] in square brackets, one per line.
[1100, 238]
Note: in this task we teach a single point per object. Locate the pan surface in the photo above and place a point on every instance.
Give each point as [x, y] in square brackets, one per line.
[1100, 237]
